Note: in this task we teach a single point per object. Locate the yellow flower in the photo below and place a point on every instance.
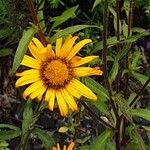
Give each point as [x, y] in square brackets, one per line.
[54, 74]
[70, 147]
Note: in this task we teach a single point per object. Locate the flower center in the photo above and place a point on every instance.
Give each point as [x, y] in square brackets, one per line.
[56, 73]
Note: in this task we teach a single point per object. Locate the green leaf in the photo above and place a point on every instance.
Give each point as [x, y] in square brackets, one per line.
[144, 113]
[5, 32]
[22, 47]
[8, 135]
[136, 142]
[63, 129]
[96, 3]
[134, 38]
[142, 78]
[123, 105]
[101, 141]
[40, 15]
[9, 126]
[115, 19]
[83, 139]
[131, 97]
[27, 117]
[110, 42]
[64, 17]
[46, 139]
[96, 87]
[69, 30]
[102, 94]
[6, 52]
[138, 30]
[114, 71]
[84, 148]
[123, 52]
[125, 29]
[110, 146]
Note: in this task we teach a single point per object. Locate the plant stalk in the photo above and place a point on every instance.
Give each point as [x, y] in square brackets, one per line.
[35, 21]
[118, 46]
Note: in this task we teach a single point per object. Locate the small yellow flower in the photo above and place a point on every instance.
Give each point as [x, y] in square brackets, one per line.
[54, 74]
[70, 147]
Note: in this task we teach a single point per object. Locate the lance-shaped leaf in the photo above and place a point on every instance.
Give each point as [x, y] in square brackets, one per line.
[46, 138]
[22, 47]
[114, 71]
[27, 117]
[143, 113]
[69, 30]
[101, 141]
[123, 105]
[10, 134]
[63, 17]
[136, 142]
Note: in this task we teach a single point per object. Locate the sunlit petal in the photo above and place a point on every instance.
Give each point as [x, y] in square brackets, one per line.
[30, 62]
[78, 61]
[77, 48]
[70, 100]
[61, 103]
[87, 71]
[83, 90]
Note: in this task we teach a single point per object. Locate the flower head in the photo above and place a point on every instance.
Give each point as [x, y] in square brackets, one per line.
[70, 147]
[54, 74]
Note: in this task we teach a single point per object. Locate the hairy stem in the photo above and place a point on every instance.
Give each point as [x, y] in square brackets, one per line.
[126, 91]
[35, 21]
[118, 39]
[106, 80]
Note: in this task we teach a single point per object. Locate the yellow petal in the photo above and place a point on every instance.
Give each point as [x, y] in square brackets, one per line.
[87, 71]
[50, 98]
[61, 103]
[27, 79]
[78, 61]
[71, 146]
[67, 46]
[34, 51]
[38, 93]
[64, 147]
[68, 38]
[30, 62]
[58, 46]
[83, 90]
[77, 47]
[70, 100]
[28, 72]
[58, 146]
[73, 91]
[33, 87]
[38, 44]
[50, 50]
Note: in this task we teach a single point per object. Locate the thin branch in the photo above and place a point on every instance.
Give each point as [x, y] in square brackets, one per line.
[118, 39]
[132, 104]
[130, 21]
[97, 117]
[35, 21]
[105, 51]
